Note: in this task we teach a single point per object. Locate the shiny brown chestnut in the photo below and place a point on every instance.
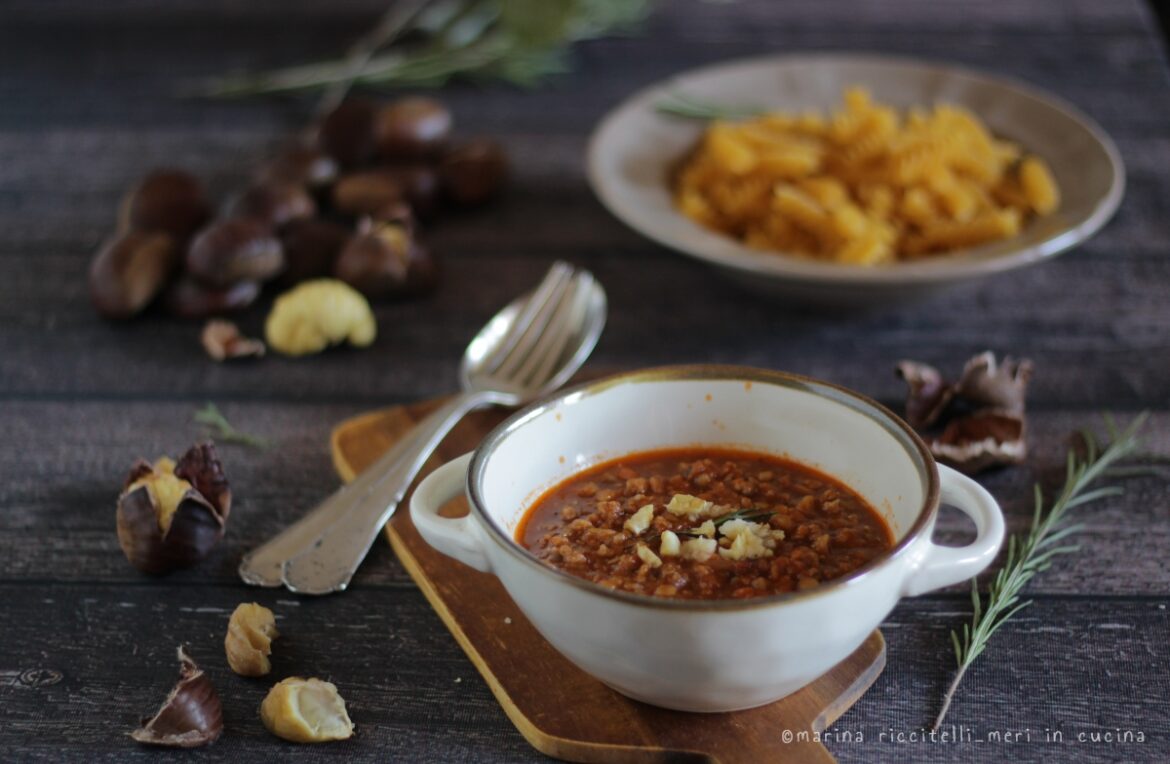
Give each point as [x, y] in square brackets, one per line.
[300, 165]
[310, 249]
[170, 515]
[347, 132]
[170, 201]
[190, 717]
[273, 203]
[385, 260]
[129, 271]
[411, 128]
[188, 298]
[419, 183]
[474, 172]
[238, 249]
[366, 193]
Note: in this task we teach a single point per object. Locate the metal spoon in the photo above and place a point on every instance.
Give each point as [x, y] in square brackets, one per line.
[528, 349]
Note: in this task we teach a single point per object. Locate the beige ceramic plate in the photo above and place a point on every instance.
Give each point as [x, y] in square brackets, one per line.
[633, 148]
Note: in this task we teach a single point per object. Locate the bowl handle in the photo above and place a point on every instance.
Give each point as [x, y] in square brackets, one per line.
[945, 565]
[453, 536]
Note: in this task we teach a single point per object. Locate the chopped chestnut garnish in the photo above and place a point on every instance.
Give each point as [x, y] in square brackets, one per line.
[190, 717]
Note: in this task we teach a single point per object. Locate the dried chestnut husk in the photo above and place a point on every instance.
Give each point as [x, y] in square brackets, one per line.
[223, 341]
[367, 193]
[170, 515]
[385, 260]
[310, 249]
[129, 271]
[171, 201]
[474, 172]
[347, 132]
[300, 165]
[190, 717]
[188, 298]
[273, 203]
[239, 249]
[411, 128]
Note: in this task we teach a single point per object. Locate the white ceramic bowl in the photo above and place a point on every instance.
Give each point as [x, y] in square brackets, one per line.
[715, 655]
[633, 148]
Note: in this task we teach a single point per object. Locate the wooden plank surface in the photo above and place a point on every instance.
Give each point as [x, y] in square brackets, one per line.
[86, 105]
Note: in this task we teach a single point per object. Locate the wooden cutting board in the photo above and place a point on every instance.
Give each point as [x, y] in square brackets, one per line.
[561, 710]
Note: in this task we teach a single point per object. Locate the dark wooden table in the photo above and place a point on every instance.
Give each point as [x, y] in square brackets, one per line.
[87, 644]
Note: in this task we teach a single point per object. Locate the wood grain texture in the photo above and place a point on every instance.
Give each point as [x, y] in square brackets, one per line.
[87, 104]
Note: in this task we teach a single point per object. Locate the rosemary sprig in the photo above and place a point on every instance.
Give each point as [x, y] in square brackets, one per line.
[678, 104]
[221, 429]
[1032, 552]
[739, 514]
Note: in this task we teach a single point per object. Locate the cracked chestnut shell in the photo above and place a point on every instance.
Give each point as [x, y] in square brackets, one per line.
[170, 201]
[190, 717]
[411, 128]
[129, 271]
[385, 260]
[170, 515]
[274, 203]
[239, 249]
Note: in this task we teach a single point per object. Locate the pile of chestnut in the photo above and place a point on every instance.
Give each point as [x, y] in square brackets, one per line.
[344, 205]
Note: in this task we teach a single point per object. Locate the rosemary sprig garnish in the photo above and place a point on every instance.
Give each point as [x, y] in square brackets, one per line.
[1032, 552]
[678, 104]
[739, 514]
[221, 429]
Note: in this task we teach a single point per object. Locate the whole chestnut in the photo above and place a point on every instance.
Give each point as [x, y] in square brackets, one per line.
[473, 172]
[367, 193]
[347, 132]
[419, 183]
[170, 201]
[385, 260]
[273, 203]
[129, 271]
[411, 128]
[300, 165]
[170, 514]
[188, 298]
[238, 249]
[310, 248]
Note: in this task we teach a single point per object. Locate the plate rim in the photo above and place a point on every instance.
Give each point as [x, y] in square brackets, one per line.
[734, 256]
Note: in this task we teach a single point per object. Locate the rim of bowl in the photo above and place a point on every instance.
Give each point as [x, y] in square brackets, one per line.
[861, 404]
[972, 262]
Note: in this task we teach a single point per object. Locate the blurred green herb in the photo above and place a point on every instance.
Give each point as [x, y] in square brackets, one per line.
[1032, 552]
[221, 429]
[425, 43]
[677, 104]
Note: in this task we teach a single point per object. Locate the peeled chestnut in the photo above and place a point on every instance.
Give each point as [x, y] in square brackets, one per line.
[188, 298]
[367, 193]
[129, 271]
[171, 201]
[474, 172]
[300, 165]
[384, 260]
[273, 203]
[347, 132]
[238, 249]
[411, 128]
[170, 515]
[311, 247]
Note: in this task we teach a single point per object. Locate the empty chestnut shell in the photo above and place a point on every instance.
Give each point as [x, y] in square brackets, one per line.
[411, 128]
[190, 717]
[171, 201]
[384, 260]
[347, 132]
[171, 515]
[474, 172]
[239, 249]
[367, 193]
[300, 165]
[273, 203]
[310, 249]
[129, 271]
[188, 298]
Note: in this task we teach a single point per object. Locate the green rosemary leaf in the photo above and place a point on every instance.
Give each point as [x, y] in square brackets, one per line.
[677, 104]
[222, 430]
[1034, 552]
